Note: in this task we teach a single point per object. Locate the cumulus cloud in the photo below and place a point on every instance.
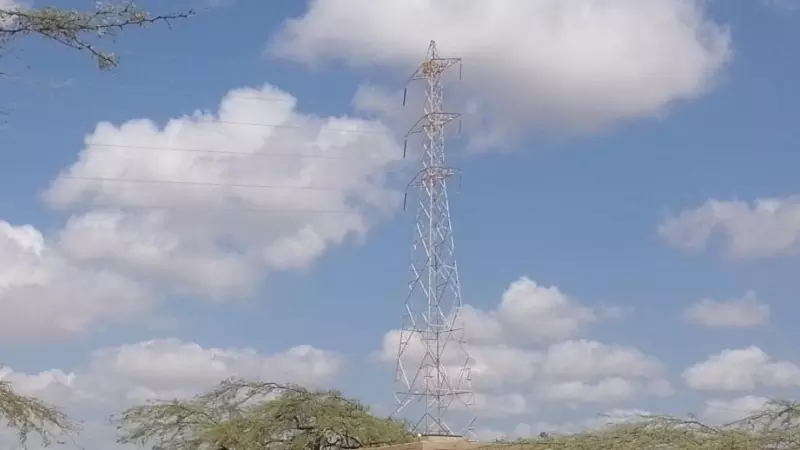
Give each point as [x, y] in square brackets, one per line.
[586, 371]
[720, 412]
[529, 312]
[170, 368]
[605, 390]
[741, 370]
[575, 63]
[583, 359]
[499, 405]
[765, 228]
[205, 204]
[45, 296]
[521, 354]
[163, 369]
[210, 201]
[743, 312]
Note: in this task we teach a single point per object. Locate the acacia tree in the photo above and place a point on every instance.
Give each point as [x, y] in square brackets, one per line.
[244, 415]
[775, 427]
[79, 30]
[28, 415]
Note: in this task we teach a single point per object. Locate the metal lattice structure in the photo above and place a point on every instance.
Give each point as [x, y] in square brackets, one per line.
[433, 365]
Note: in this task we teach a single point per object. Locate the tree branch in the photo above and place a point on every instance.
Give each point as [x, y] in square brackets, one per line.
[74, 29]
[28, 415]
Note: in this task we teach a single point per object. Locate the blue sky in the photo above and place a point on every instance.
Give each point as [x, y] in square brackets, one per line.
[702, 118]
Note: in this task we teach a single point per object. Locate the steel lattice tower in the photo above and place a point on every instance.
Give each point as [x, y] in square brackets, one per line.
[433, 366]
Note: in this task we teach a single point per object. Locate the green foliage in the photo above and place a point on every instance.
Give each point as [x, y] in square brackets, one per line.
[78, 29]
[776, 427]
[28, 415]
[242, 415]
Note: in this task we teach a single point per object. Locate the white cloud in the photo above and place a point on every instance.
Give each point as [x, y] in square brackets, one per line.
[768, 227]
[501, 405]
[276, 189]
[741, 370]
[498, 365]
[370, 98]
[583, 359]
[574, 63]
[170, 368]
[520, 356]
[606, 390]
[720, 412]
[44, 296]
[589, 371]
[529, 312]
[744, 312]
[323, 181]
[119, 377]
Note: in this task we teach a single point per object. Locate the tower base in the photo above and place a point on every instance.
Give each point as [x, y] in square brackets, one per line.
[436, 443]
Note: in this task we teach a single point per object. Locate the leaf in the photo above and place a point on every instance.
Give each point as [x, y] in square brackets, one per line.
[78, 29]
[249, 415]
[29, 415]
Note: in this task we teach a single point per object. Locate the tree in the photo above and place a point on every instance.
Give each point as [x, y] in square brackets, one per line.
[776, 426]
[29, 415]
[243, 415]
[78, 29]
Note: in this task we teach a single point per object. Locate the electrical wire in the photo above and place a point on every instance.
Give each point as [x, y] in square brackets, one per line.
[200, 183]
[72, 84]
[228, 152]
[171, 89]
[205, 208]
[319, 129]
[298, 127]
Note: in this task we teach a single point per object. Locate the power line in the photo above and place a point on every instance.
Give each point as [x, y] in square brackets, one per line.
[298, 127]
[72, 84]
[200, 183]
[172, 89]
[319, 129]
[229, 152]
[182, 91]
[206, 208]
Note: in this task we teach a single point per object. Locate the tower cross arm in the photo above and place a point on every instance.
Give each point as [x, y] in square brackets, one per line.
[432, 119]
[428, 174]
[434, 65]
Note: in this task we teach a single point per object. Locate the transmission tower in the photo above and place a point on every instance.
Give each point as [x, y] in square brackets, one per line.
[433, 366]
